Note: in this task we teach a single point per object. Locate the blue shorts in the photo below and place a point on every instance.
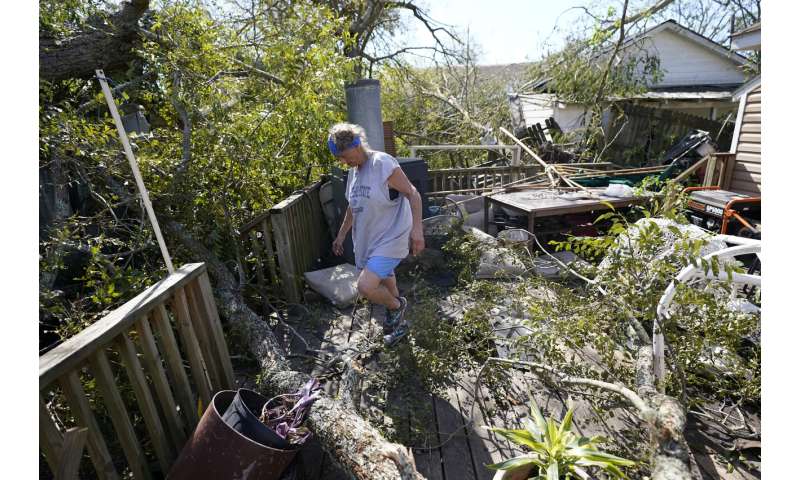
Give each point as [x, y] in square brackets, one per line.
[383, 267]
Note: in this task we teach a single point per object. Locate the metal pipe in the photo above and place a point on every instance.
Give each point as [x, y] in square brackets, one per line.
[364, 108]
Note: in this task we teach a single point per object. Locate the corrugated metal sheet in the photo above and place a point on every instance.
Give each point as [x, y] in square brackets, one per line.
[746, 174]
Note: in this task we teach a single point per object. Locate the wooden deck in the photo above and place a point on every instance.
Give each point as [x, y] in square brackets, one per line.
[446, 430]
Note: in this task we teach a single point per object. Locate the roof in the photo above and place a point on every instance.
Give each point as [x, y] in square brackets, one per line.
[756, 27]
[691, 35]
[691, 95]
[678, 29]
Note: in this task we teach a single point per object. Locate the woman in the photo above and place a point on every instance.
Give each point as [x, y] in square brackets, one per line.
[382, 225]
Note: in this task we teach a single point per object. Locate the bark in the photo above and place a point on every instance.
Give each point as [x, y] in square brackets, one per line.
[108, 46]
[671, 456]
[354, 445]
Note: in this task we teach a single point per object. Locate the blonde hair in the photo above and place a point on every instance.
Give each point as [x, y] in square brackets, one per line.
[343, 135]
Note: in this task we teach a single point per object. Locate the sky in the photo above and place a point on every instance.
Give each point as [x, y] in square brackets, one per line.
[508, 31]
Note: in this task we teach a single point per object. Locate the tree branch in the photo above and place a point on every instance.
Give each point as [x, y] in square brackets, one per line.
[110, 46]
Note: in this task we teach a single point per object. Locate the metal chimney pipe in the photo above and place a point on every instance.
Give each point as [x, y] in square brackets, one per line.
[364, 108]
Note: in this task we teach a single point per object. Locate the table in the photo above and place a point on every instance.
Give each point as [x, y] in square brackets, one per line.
[538, 203]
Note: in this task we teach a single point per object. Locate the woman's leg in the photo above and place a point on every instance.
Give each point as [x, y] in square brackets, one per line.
[371, 286]
[391, 284]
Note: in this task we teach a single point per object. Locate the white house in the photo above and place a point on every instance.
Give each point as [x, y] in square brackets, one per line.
[699, 78]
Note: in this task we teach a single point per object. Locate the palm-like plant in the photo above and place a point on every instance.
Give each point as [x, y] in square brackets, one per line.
[557, 452]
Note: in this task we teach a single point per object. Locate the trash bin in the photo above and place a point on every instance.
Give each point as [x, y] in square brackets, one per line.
[216, 450]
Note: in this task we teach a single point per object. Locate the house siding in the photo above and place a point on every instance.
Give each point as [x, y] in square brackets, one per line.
[746, 174]
[685, 63]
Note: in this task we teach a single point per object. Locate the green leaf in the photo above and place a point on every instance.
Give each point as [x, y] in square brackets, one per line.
[520, 437]
[516, 462]
[552, 471]
[537, 417]
[566, 424]
[592, 455]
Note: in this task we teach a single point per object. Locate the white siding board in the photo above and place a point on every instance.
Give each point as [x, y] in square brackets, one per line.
[753, 108]
[685, 62]
[536, 108]
[749, 147]
[750, 138]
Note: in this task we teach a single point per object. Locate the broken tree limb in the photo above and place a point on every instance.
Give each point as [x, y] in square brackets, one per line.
[354, 445]
[548, 169]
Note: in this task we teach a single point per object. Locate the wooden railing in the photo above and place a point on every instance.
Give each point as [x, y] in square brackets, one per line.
[285, 242]
[448, 181]
[485, 179]
[134, 348]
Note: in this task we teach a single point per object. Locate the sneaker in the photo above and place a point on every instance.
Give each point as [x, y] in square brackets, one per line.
[397, 334]
[394, 317]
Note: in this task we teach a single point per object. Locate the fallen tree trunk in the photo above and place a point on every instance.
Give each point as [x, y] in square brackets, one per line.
[107, 46]
[353, 443]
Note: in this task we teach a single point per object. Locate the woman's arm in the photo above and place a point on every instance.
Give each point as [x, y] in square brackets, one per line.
[346, 224]
[398, 181]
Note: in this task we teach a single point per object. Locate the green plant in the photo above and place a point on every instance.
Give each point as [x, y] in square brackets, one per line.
[557, 452]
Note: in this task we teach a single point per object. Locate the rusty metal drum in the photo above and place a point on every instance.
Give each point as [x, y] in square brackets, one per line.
[217, 451]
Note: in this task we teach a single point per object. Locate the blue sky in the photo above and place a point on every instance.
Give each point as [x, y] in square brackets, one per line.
[508, 31]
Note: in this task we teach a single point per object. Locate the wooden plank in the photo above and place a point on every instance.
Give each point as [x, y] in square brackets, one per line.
[455, 451]
[77, 349]
[215, 328]
[255, 243]
[480, 453]
[429, 459]
[50, 439]
[285, 253]
[79, 405]
[172, 355]
[266, 229]
[101, 369]
[144, 400]
[200, 327]
[191, 346]
[711, 168]
[71, 453]
[152, 362]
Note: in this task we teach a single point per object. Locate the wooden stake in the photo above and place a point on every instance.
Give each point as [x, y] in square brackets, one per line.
[123, 136]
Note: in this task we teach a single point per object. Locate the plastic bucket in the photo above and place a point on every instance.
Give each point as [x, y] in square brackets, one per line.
[242, 415]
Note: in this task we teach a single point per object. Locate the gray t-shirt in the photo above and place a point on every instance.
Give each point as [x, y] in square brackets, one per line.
[381, 227]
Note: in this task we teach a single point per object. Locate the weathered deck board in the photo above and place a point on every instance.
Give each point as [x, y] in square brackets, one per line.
[481, 442]
[456, 453]
[429, 458]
